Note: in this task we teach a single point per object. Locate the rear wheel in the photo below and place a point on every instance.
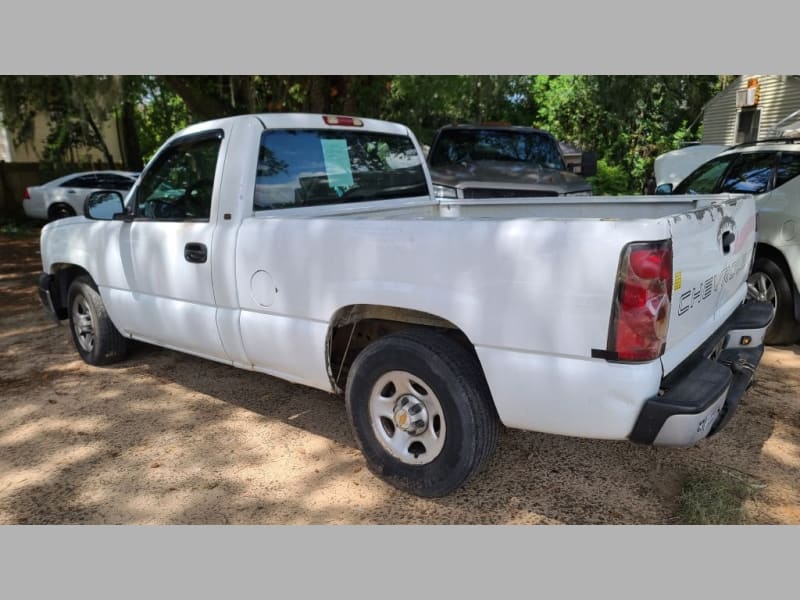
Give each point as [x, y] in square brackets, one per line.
[421, 412]
[60, 211]
[768, 283]
[96, 338]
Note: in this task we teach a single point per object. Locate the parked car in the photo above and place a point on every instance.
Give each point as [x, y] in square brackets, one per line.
[64, 197]
[769, 170]
[312, 248]
[672, 167]
[500, 161]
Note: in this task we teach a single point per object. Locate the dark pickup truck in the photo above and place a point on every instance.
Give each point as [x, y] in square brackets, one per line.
[501, 161]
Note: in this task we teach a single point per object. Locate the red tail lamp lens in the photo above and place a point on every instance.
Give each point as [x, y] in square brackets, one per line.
[643, 295]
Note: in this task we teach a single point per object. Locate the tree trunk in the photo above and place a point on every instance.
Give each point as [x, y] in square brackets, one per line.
[131, 149]
[349, 92]
[317, 94]
[100, 141]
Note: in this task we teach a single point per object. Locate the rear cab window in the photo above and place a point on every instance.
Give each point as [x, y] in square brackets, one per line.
[311, 167]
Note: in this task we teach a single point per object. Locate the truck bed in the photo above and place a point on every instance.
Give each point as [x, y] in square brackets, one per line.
[618, 208]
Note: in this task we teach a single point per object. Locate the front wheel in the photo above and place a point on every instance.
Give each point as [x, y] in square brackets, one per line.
[96, 338]
[421, 412]
[768, 283]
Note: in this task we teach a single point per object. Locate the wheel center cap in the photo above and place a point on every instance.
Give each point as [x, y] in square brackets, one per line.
[410, 415]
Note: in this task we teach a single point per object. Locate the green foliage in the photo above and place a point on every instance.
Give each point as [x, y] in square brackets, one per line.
[19, 227]
[627, 120]
[610, 180]
[160, 112]
[75, 107]
[427, 102]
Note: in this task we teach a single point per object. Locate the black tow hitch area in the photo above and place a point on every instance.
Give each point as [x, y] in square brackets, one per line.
[742, 363]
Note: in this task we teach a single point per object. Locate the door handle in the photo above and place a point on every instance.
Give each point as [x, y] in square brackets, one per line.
[71, 192]
[194, 252]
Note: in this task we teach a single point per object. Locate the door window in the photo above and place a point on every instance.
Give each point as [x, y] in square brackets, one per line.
[704, 179]
[788, 167]
[82, 181]
[179, 184]
[109, 181]
[751, 174]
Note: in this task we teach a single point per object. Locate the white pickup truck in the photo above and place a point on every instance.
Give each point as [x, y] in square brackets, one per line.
[311, 248]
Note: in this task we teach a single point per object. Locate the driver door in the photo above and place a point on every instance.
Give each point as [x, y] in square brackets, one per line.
[166, 249]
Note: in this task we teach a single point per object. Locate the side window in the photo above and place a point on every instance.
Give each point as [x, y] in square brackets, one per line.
[751, 174]
[83, 181]
[178, 186]
[788, 167]
[114, 182]
[704, 179]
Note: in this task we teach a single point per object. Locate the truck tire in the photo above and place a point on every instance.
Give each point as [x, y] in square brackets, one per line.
[768, 283]
[421, 412]
[95, 337]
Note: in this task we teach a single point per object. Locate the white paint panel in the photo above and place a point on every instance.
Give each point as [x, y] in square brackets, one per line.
[537, 284]
[230, 335]
[290, 346]
[563, 395]
[707, 277]
[161, 321]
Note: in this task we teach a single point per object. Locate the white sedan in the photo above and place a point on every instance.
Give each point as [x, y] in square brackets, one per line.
[63, 197]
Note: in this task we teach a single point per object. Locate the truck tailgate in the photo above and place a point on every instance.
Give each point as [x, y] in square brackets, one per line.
[712, 252]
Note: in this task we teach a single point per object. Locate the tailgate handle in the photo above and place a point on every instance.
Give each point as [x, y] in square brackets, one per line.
[195, 253]
[727, 240]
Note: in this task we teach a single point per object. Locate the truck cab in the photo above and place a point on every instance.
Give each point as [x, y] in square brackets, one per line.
[502, 161]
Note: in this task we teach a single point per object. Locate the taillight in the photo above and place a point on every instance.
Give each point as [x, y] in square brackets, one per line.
[27, 195]
[640, 315]
[346, 121]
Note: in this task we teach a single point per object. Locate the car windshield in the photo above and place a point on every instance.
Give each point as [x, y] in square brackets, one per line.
[331, 166]
[456, 146]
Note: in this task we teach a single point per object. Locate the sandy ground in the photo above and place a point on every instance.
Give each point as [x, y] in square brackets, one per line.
[168, 438]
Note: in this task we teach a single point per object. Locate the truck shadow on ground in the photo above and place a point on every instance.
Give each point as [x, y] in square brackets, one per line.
[162, 438]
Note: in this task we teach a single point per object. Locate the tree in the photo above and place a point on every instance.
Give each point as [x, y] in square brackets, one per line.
[425, 102]
[76, 108]
[627, 119]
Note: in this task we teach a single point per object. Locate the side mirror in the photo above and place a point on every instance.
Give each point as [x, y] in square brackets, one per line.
[664, 189]
[103, 205]
[589, 164]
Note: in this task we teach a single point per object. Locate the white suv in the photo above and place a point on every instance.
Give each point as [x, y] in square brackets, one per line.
[769, 169]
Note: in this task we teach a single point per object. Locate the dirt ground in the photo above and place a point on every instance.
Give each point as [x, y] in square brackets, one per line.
[169, 438]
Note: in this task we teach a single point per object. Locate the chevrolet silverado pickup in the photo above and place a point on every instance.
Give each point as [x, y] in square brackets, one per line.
[503, 161]
[312, 248]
